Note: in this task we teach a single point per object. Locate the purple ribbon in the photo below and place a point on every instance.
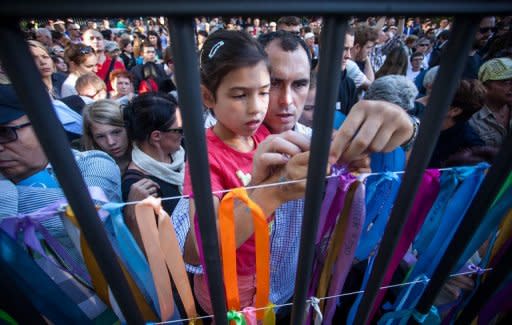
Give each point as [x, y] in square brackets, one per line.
[29, 224]
[347, 250]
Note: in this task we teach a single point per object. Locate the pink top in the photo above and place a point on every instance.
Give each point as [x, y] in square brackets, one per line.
[224, 162]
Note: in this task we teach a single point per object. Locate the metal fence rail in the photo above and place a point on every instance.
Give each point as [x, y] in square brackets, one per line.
[22, 71]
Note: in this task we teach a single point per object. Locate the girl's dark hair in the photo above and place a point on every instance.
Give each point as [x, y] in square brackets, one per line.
[396, 63]
[225, 51]
[158, 40]
[147, 113]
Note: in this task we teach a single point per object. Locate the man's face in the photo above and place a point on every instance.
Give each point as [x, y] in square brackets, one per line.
[95, 40]
[289, 86]
[416, 63]
[290, 28]
[485, 30]
[24, 156]
[43, 39]
[149, 54]
[365, 51]
[499, 92]
[349, 44]
[122, 86]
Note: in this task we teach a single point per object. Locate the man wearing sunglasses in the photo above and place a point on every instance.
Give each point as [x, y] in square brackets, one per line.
[484, 33]
[28, 182]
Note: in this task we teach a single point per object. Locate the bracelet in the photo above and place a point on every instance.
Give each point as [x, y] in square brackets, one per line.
[416, 125]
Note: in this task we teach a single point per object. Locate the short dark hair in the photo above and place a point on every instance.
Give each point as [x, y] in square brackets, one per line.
[364, 34]
[289, 21]
[289, 42]
[469, 97]
[227, 50]
[417, 54]
[147, 113]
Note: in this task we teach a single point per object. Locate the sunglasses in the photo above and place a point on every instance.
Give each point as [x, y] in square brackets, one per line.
[426, 44]
[487, 29]
[9, 133]
[86, 50]
[175, 130]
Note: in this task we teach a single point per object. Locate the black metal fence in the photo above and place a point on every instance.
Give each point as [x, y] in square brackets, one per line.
[21, 69]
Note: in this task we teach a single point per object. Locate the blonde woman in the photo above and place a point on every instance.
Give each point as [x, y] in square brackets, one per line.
[104, 130]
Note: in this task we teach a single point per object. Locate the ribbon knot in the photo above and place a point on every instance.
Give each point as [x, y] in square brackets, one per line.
[236, 317]
[314, 301]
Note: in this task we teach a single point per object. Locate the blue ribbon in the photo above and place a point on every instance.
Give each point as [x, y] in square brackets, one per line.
[130, 253]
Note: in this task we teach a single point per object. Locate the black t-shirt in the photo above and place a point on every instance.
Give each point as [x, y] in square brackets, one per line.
[166, 189]
[347, 95]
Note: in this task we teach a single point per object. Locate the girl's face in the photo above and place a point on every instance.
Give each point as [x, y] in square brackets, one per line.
[61, 65]
[111, 139]
[43, 61]
[89, 65]
[152, 39]
[242, 100]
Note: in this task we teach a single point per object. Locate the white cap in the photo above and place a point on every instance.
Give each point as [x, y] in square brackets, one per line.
[309, 35]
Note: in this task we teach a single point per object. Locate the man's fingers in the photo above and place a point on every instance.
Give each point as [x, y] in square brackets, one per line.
[344, 135]
[360, 144]
[300, 140]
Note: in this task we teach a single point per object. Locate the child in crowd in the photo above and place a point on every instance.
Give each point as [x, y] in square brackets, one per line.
[235, 85]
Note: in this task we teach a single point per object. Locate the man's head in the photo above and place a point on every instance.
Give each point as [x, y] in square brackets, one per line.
[44, 36]
[496, 75]
[122, 82]
[364, 40]
[90, 85]
[416, 61]
[73, 30]
[148, 52]
[21, 155]
[485, 31]
[347, 48]
[290, 66]
[94, 39]
[289, 23]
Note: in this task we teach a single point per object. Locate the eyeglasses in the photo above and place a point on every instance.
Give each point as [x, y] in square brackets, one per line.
[96, 93]
[425, 44]
[484, 30]
[86, 50]
[92, 38]
[175, 130]
[9, 134]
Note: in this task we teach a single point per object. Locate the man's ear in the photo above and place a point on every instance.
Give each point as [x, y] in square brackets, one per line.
[454, 112]
[208, 98]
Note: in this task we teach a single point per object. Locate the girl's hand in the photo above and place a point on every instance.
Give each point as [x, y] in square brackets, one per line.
[275, 151]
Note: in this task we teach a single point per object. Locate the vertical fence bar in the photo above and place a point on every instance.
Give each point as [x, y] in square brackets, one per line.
[26, 79]
[497, 277]
[474, 216]
[442, 94]
[332, 39]
[187, 78]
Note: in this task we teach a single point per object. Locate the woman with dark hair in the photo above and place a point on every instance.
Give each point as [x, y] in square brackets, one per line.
[153, 122]
[395, 63]
[127, 53]
[154, 39]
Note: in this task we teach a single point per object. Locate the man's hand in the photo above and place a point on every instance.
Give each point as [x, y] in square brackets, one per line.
[371, 126]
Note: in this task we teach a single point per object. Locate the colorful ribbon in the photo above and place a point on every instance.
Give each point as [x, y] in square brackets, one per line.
[228, 248]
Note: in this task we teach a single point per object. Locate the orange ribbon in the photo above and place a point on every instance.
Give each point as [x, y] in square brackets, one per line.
[159, 240]
[228, 249]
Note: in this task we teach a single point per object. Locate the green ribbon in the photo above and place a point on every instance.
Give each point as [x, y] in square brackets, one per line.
[237, 317]
[5, 317]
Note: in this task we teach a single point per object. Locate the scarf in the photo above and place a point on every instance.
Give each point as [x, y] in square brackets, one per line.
[173, 173]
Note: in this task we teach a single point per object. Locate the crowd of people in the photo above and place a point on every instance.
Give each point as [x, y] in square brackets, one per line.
[112, 85]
